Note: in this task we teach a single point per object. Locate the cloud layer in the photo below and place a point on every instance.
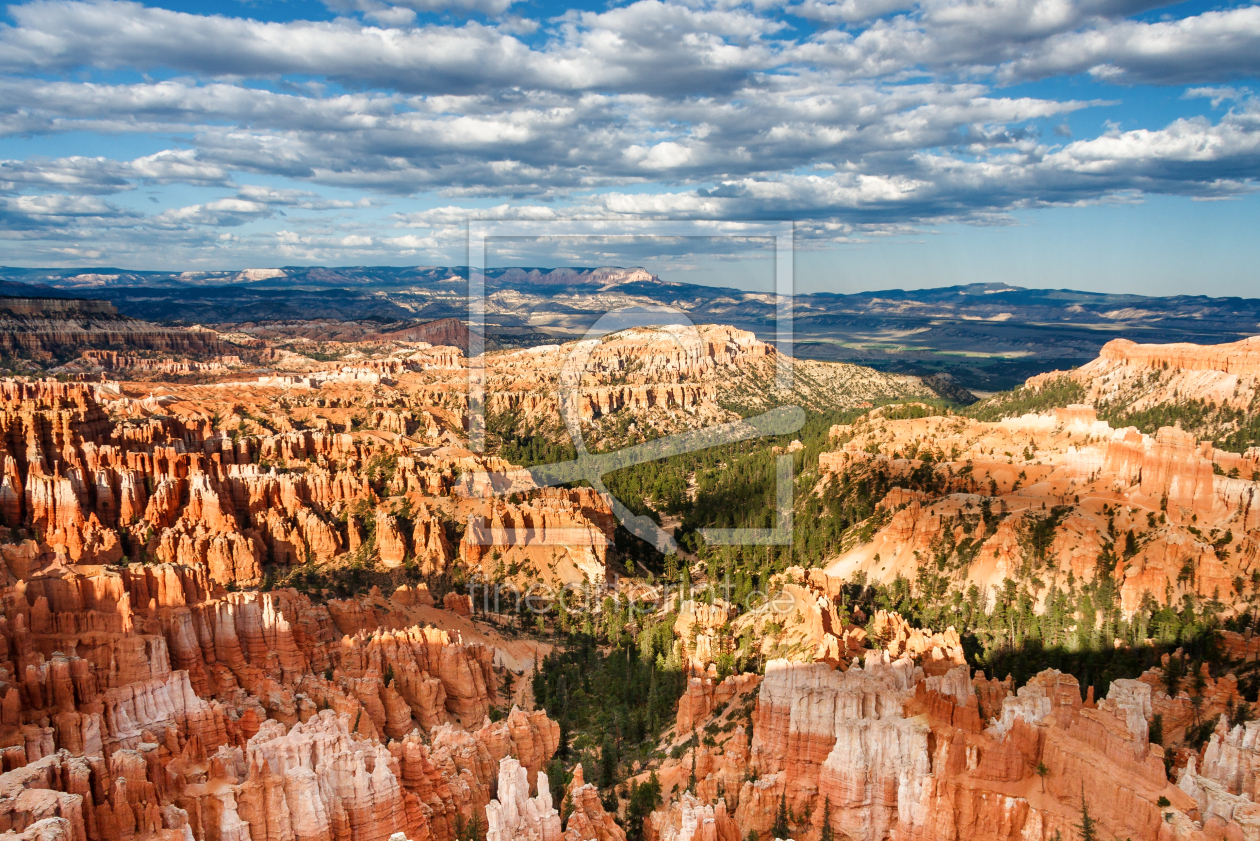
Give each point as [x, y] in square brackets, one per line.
[853, 117]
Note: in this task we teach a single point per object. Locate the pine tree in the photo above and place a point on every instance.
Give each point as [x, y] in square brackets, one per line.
[695, 748]
[653, 694]
[1086, 827]
[562, 750]
[828, 834]
[780, 829]
[643, 800]
[607, 763]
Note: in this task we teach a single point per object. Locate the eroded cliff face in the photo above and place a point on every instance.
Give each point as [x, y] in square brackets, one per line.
[92, 476]
[155, 682]
[660, 369]
[1169, 515]
[1224, 787]
[898, 739]
[1144, 375]
[884, 751]
[643, 382]
[1210, 391]
[560, 534]
[806, 621]
[516, 816]
[44, 328]
[142, 694]
[147, 701]
[587, 820]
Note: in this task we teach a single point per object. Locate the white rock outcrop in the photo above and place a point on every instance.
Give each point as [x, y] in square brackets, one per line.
[516, 816]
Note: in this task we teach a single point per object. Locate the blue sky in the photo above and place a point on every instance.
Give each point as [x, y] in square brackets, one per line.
[1100, 144]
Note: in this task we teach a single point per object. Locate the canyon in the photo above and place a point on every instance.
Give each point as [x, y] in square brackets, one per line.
[239, 592]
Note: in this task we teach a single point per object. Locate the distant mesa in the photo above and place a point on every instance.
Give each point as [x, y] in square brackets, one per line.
[605, 276]
[45, 328]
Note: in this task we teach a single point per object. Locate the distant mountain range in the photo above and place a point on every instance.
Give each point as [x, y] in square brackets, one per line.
[988, 336]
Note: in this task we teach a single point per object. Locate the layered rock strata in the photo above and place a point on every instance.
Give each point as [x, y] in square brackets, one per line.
[87, 488]
[1173, 515]
[885, 751]
[145, 700]
[42, 328]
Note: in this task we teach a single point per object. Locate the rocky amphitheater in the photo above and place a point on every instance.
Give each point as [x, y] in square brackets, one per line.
[177, 660]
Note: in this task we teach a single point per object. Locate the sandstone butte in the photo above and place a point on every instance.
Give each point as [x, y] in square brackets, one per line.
[150, 688]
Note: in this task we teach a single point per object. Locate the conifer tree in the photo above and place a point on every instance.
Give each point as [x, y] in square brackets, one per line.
[780, 829]
[828, 834]
[562, 749]
[695, 748]
[1086, 827]
[607, 763]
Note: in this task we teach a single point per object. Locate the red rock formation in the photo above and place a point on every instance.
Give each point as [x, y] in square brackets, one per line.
[703, 630]
[692, 821]
[703, 698]
[888, 752]
[185, 488]
[145, 700]
[560, 535]
[936, 653]
[1239, 358]
[1191, 525]
[315, 782]
[1225, 374]
[669, 378]
[587, 820]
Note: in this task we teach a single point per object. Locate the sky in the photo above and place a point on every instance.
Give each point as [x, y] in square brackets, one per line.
[1109, 145]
